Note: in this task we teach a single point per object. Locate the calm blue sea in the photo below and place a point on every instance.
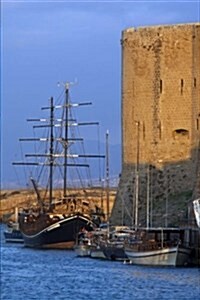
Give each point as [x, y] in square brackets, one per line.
[54, 275]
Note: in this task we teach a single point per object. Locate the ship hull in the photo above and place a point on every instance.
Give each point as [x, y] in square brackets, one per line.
[60, 235]
[97, 253]
[114, 252]
[82, 250]
[172, 256]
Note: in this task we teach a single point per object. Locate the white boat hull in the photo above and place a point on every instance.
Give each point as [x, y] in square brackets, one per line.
[82, 250]
[172, 256]
[97, 253]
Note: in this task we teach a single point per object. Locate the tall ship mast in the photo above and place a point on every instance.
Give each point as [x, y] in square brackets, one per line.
[59, 212]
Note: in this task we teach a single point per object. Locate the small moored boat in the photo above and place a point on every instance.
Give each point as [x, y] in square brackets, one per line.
[83, 245]
[113, 247]
[12, 233]
[158, 251]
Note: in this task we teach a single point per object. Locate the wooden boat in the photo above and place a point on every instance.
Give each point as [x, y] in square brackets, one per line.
[96, 252]
[154, 246]
[166, 256]
[56, 220]
[12, 233]
[88, 243]
[83, 249]
[83, 244]
[113, 245]
[98, 236]
[113, 250]
[157, 247]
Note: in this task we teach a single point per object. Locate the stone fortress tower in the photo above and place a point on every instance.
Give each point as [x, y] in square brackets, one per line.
[160, 124]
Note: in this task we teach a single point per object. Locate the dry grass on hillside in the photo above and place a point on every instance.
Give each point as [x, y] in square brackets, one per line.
[10, 199]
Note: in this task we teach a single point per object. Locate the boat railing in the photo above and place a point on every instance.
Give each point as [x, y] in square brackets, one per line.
[151, 245]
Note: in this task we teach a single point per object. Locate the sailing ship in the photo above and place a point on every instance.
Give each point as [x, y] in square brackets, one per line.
[88, 243]
[154, 246]
[158, 247]
[57, 218]
[163, 246]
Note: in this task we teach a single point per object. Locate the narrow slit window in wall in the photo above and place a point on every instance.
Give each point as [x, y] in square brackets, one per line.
[143, 131]
[160, 131]
[161, 86]
[182, 83]
[195, 82]
[197, 124]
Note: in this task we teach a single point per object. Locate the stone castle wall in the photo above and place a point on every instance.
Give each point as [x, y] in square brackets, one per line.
[160, 118]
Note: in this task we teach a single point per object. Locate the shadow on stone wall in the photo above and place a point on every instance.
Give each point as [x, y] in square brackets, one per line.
[167, 189]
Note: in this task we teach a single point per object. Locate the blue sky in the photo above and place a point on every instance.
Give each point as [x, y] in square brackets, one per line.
[43, 42]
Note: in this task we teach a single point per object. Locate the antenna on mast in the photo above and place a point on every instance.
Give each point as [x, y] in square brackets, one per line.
[67, 84]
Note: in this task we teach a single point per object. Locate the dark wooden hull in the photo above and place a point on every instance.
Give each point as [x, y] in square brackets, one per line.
[114, 252]
[59, 235]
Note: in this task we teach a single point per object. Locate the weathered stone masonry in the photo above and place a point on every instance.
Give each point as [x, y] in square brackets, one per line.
[160, 119]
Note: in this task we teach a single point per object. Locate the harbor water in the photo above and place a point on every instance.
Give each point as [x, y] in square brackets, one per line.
[59, 274]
